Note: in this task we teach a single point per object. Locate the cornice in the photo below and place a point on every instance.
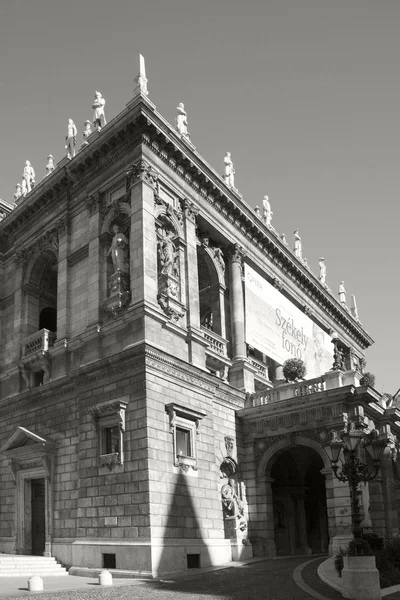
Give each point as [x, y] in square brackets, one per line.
[194, 171]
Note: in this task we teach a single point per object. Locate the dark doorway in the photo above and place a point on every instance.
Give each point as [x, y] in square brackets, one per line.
[299, 502]
[48, 319]
[38, 516]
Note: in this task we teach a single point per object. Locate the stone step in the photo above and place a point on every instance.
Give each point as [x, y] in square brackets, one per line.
[32, 573]
[15, 565]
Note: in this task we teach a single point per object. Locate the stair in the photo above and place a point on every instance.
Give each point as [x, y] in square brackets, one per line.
[17, 565]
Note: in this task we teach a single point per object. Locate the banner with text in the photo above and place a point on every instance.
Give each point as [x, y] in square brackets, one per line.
[280, 330]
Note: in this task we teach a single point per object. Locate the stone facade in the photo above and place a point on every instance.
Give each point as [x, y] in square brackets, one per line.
[140, 430]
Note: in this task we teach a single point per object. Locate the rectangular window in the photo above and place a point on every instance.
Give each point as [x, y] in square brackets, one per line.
[184, 425]
[111, 439]
[183, 442]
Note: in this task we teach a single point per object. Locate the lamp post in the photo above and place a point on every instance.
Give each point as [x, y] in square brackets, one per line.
[343, 452]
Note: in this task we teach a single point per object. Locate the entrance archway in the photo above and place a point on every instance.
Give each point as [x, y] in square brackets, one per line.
[299, 501]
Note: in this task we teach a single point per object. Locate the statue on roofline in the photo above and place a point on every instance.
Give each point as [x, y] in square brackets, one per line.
[229, 175]
[99, 118]
[181, 121]
[297, 249]
[322, 271]
[267, 212]
[70, 139]
[28, 178]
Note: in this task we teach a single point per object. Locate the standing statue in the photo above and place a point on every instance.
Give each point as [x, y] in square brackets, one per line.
[297, 244]
[70, 139]
[50, 165]
[181, 120]
[229, 171]
[267, 212]
[18, 191]
[353, 309]
[322, 271]
[167, 253]
[86, 132]
[219, 256]
[342, 293]
[257, 211]
[99, 118]
[283, 238]
[119, 250]
[28, 178]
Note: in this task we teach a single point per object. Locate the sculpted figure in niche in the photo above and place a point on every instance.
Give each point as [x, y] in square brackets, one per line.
[219, 256]
[167, 253]
[297, 244]
[119, 250]
[28, 178]
[71, 139]
[99, 118]
[267, 212]
[229, 171]
[181, 120]
[232, 504]
[322, 271]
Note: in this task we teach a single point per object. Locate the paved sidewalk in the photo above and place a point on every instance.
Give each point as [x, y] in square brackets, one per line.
[255, 579]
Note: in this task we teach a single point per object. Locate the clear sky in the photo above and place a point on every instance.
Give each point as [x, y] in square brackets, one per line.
[304, 93]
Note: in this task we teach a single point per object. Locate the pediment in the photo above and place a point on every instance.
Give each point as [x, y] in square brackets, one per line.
[23, 438]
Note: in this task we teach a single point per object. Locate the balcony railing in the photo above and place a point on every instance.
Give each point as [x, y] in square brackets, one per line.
[301, 388]
[217, 343]
[40, 341]
[261, 368]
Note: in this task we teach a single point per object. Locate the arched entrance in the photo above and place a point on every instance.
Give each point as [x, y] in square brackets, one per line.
[299, 501]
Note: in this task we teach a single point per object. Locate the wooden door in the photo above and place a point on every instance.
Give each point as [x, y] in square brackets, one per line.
[38, 516]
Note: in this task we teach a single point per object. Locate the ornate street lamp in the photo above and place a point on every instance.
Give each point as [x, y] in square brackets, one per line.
[343, 452]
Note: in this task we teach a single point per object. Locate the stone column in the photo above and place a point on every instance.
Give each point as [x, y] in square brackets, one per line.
[377, 508]
[18, 312]
[388, 488]
[94, 259]
[339, 511]
[143, 243]
[195, 339]
[301, 525]
[261, 523]
[241, 374]
[62, 284]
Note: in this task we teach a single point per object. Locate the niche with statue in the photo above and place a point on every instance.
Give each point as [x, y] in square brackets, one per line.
[118, 280]
[169, 269]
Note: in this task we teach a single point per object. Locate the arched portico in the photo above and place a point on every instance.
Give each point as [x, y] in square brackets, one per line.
[291, 518]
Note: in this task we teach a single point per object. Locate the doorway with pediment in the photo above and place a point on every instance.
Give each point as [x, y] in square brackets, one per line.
[31, 463]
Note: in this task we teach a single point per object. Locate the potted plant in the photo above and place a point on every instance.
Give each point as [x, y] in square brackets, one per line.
[294, 369]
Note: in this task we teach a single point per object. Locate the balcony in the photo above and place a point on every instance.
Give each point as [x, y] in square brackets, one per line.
[41, 341]
[217, 360]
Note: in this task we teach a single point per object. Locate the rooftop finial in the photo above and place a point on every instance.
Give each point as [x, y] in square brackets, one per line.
[141, 79]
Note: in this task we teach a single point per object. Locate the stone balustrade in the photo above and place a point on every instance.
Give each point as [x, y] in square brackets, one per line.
[40, 341]
[261, 368]
[290, 390]
[217, 344]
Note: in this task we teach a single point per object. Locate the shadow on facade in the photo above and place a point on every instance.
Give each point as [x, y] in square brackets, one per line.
[183, 546]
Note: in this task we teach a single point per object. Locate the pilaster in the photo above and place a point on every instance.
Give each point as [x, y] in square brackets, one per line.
[143, 243]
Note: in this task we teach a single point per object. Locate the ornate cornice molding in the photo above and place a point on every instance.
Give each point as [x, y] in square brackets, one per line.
[194, 171]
